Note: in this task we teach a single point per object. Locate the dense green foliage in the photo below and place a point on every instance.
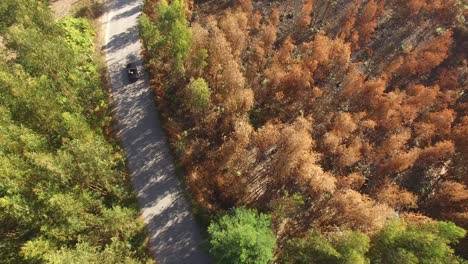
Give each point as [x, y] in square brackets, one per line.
[63, 191]
[428, 243]
[197, 95]
[167, 36]
[397, 243]
[349, 248]
[243, 237]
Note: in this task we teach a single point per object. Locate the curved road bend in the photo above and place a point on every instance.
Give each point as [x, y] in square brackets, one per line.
[174, 237]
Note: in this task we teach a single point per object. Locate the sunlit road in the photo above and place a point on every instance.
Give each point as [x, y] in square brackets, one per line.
[174, 235]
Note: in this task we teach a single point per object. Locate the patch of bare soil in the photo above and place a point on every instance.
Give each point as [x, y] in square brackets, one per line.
[82, 8]
[61, 8]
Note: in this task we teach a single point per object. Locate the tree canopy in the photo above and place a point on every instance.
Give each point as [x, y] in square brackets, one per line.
[64, 196]
[242, 237]
[356, 107]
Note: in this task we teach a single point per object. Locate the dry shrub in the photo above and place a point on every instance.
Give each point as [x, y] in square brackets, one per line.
[393, 154]
[426, 58]
[246, 6]
[350, 209]
[305, 17]
[421, 96]
[266, 137]
[450, 201]
[460, 135]
[367, 23]
[437, 152]
[240, 101]
[349, 19]
[351, 154]
[415, 218]
[353, 181]
[395, 197]
[235, 28]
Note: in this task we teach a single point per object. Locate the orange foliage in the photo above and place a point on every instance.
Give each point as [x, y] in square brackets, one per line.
[395, 197]
[267, 36]
[328, 52]
[372, 91]
[450, 202]
[379, 113]
[351, 154]
[349, 19]
[410, 8]
[305, 16]
[442, 121]
[266, 137]
[285, 51]
[415, 218]
[460, 135]
[357, 211]
[401, 161]
[240, 101]
[422, 97]
[426, 58]
[275, 17]
[448, 79]
[367, 22]
[235, 28]
[353, 181]
[353, 82]
[295, 158]
[246, 6]
[232, 77]
[294, 144]
[437, 152]
[443, 9]
[393, 156]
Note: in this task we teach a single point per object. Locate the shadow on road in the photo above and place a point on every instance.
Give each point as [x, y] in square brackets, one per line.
[122, 40]
[119, 4]
[135, 10]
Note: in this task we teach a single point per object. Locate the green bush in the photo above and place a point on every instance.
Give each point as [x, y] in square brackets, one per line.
[346, 248]
[407, 243]
[398, 243]
[167, 36]
[242, 237]
[197, 95]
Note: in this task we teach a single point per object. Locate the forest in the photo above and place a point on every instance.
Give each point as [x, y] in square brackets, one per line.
[337, 129]
[64, 192]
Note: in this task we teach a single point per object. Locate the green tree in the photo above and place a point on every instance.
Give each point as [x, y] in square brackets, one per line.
[345, 248]
[353, 247]
[243, 237]
[167, 35]
[63, 192]
[197, 95]
[26, 12]
[408, 243]
[313, 249]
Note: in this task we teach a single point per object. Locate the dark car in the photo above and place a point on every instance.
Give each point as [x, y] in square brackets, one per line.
[132, 72]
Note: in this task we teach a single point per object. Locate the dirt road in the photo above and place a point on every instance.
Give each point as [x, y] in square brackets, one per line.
[174, 235]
